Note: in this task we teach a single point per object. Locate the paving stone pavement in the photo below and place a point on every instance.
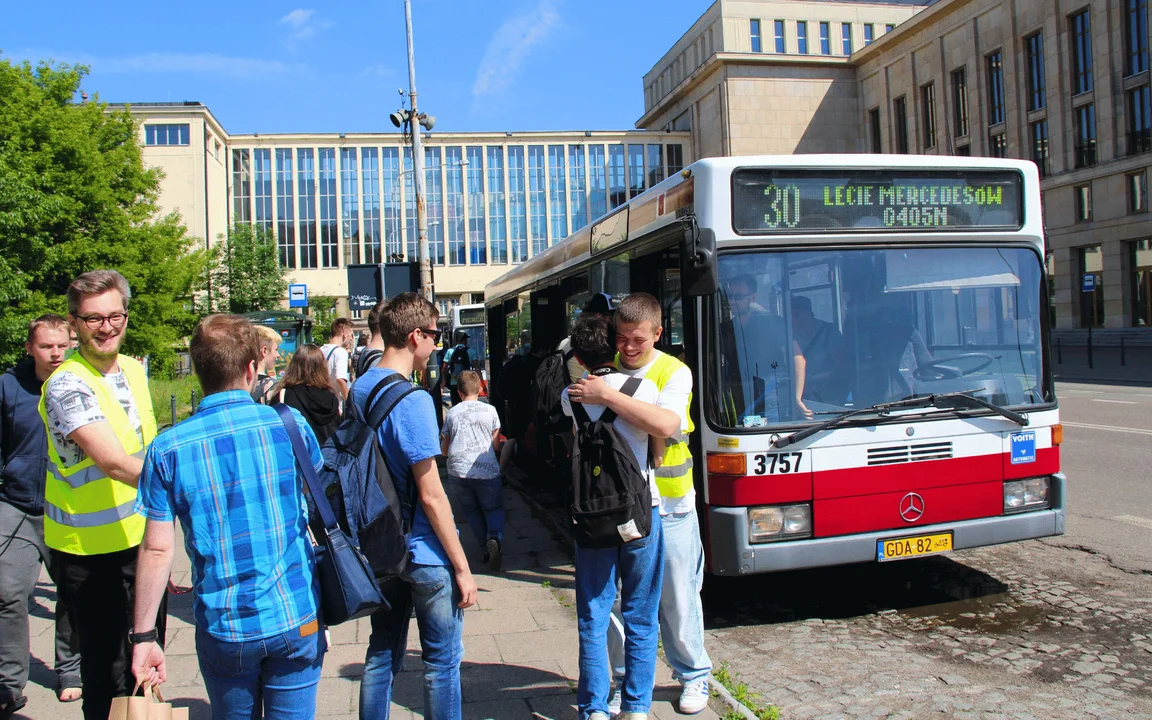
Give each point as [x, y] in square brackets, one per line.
[1046, 632]
[520, 643]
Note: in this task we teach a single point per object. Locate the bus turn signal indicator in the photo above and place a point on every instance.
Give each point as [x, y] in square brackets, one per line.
[727, 464]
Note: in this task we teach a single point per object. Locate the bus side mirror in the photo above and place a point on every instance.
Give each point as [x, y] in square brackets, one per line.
[698, 262]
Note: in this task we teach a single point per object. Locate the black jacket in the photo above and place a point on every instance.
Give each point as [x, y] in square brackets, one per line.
[319, 406]
[23, 442]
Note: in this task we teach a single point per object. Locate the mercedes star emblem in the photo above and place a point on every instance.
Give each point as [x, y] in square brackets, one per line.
[911, 507]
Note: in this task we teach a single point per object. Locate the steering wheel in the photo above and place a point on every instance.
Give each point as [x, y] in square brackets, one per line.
[943, 370]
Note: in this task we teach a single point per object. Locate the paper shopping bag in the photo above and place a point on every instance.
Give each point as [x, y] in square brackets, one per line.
[157, 709]
[129, 708]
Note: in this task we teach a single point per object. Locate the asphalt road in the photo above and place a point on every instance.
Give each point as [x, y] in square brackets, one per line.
[1107, 456]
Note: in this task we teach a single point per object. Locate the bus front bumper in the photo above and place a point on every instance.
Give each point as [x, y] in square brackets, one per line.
[731, 553]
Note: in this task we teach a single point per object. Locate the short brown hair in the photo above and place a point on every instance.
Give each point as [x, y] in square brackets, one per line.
[639, 307]
[338, 326]
[468, 383]
[221, 348]
[266, 336]
[374, 317]
[96, 282]
[403, 314]
[48, 320]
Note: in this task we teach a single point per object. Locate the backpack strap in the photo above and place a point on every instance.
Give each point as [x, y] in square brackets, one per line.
[629, 388]
[579, 414]
[304, 464]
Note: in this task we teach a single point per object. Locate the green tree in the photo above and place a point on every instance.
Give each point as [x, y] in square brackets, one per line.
[247, 275]
[74, 197]
[322, 310]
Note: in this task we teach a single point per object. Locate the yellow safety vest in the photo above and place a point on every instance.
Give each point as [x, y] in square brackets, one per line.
[674, 476]
[85, 511]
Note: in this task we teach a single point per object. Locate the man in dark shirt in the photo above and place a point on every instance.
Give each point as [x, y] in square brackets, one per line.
[23, 457]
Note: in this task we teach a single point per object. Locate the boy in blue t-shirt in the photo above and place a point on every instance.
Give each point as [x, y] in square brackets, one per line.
[437, 582]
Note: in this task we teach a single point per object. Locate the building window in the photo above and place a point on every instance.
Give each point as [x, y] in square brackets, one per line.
[635, 170]
[900, 123]
[350, 206]
[517, 205]
[1083, 203]
[928, 114]
[802, 37]
[1040, 146]
[1034, 47]
[166, 134]
[869, 33]
[889, 28]
[1081, 53]
[537, 194]
[875, 130]
[1137, 185]
[779, 30]
[1092, 303]
[675, 158]
[963, 150]
[285, 228]
[558, 192]
[370, 177]
[825, 39]
[306, 204]
[960, 102]
[477, 222]
[1085, 117]
[846, 37]
[262, 186]
[241, 186]
[329, 236]
[434, 204]
[1139, 120]
[655, 164]
[995, 88]
[453, 207]
[577, 187]
[617, 183]
[1141, 264]
[1136, 36]
[754, 26]
[497, 217]
[393, 220]
[597, 182]
[998, 145]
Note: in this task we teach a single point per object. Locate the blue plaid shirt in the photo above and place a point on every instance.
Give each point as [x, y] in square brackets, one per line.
[229, 475]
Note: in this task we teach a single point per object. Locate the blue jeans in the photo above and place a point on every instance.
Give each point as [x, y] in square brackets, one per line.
[681, 613]
[271, 678]
[640, 565]
[482, 502]
[432, 590]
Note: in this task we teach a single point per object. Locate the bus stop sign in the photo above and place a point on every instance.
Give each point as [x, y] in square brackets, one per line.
[297, 295]
[1089, 283]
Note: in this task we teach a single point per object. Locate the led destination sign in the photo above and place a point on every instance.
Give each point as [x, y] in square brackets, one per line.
[790, 200]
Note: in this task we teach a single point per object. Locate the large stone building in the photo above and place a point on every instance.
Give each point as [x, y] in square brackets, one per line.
[1064, 83]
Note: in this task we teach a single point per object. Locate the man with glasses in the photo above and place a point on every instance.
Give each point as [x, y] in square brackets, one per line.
[437, 581]
[98, 415]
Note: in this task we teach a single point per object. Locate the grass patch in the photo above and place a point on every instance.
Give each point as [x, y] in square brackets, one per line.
[546, 583]
[162, 392]
[744, 696]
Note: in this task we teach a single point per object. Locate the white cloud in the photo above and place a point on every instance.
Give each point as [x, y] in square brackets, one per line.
[377, 70]
[204, 64]
[511, 45]
[303, 24]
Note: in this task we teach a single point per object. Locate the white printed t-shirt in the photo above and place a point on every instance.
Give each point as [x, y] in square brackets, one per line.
[469, 426]
[71, 404]
[636, 438]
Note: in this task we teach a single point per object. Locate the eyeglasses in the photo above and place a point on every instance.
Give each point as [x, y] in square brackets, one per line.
[434, 334]
[739, 297]
[95, 322]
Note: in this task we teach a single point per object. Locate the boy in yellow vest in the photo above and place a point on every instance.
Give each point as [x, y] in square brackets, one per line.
[98, 415]
[639, 325]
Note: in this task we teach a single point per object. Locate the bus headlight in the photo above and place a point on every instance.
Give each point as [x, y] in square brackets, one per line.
[781, 522]
[1024, 495]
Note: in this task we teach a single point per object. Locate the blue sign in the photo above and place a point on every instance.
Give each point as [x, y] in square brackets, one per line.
[1024, 447]
[297, 296]
[1089, 283]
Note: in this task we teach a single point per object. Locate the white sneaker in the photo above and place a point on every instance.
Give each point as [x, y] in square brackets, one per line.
[694, 696]
[634, 716]
[597, 716]
[614, 702]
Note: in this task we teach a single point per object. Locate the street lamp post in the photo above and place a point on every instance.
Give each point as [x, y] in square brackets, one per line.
[418, 166]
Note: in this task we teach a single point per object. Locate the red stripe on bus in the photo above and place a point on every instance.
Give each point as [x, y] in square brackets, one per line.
[759, 489]
[870, 513]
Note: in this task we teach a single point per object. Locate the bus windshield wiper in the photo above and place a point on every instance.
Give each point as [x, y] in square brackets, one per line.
[945, 401]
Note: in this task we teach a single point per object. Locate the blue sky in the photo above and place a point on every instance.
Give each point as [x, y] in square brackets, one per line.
[264, 66]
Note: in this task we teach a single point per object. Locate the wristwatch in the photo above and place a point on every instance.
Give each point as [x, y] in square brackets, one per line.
[144, 637]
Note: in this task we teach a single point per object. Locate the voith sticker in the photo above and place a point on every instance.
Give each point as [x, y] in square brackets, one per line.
[1024, 447]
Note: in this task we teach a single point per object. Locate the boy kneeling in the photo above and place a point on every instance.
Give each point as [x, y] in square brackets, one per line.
[638, 561]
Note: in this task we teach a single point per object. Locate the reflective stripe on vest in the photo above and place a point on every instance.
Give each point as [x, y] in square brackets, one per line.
[674, 476]
[87, 512]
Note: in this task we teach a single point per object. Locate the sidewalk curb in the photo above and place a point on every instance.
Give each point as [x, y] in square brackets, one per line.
[546, 515]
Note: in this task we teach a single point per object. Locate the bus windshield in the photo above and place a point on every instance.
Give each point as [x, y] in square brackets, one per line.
[803, 336]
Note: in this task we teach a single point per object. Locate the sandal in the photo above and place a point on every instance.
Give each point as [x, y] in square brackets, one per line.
[69, 694]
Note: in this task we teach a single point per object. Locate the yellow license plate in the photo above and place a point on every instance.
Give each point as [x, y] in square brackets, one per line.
[915, 546]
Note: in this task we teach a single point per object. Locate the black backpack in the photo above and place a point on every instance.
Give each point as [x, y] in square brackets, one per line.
[547, 387]
[366, 359]
[359, 485]
[611, 497]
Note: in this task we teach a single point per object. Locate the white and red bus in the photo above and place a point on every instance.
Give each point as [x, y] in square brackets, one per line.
[869, 340]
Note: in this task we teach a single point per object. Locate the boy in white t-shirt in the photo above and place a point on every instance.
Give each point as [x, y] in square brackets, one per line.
[468, 440]
[638, 563]
[336, 354]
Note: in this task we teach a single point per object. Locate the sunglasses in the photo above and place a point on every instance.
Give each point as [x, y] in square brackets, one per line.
[434, 334]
